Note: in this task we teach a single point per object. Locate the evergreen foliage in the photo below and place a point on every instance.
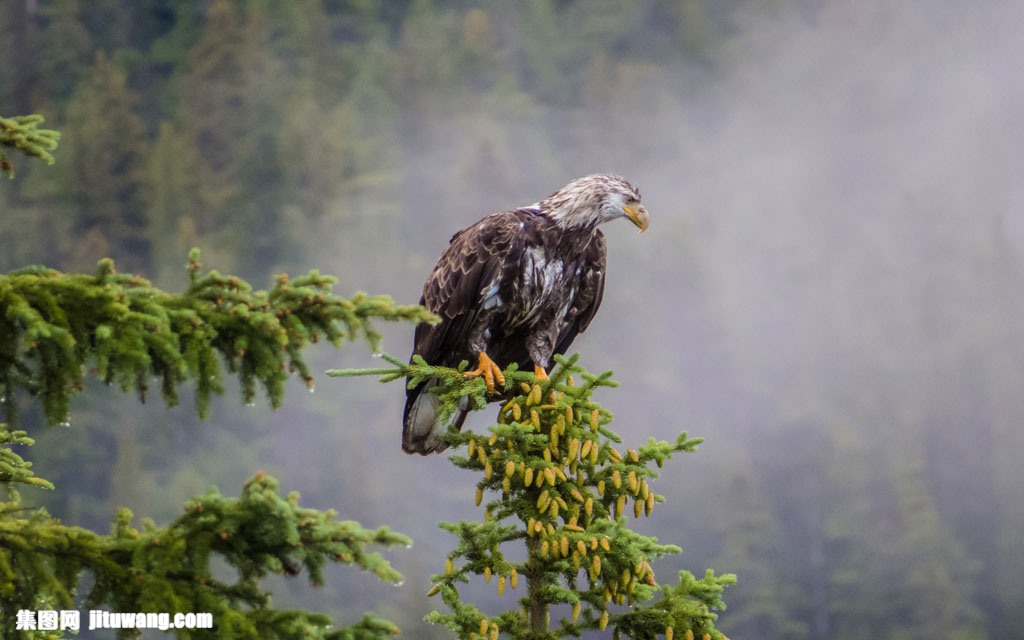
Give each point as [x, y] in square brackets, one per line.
[171, 569]
[55, 325]
[13, 468]
[23, 133]
[564, 490]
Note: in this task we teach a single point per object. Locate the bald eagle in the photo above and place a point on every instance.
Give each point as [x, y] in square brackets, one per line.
[516, 286]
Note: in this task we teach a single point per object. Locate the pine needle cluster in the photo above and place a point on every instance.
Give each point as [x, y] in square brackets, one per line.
[22, 133]
[56, 326]
[556, 527]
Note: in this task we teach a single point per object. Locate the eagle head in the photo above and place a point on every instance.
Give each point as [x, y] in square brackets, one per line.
[591, 200]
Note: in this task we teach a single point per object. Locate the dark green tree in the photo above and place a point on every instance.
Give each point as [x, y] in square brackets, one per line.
[63, 46]
[106, 181]
[232, 119]
[172, 199]
[749, 538]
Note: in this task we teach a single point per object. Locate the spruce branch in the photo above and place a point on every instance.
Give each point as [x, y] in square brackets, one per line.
[55, 325]
[13, 468]
[169, 568]
[562, 489]
[454, 384]
[23, 134]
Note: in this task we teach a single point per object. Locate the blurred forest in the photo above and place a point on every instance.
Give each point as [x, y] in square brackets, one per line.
[831, 291]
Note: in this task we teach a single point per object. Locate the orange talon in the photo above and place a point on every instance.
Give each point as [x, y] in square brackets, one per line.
[540, 374]
[490, 371]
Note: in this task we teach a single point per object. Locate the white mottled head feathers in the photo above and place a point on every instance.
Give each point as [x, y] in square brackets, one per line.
[591, 200]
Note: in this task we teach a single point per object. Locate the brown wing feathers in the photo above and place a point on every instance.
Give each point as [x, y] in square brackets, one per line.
[482, 261]
[472, 263]
[588, 297]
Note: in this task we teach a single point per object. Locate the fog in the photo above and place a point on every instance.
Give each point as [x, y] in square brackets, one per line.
[829, 292]
[826, 293]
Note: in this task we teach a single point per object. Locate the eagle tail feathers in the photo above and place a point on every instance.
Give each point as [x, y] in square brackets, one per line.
[422, 430]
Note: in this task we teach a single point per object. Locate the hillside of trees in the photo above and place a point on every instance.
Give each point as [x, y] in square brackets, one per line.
[830, 293]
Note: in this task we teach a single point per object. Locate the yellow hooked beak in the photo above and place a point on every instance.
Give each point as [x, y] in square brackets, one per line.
[637, 215]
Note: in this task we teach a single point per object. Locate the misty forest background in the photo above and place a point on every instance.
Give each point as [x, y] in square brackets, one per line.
[831, 291]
